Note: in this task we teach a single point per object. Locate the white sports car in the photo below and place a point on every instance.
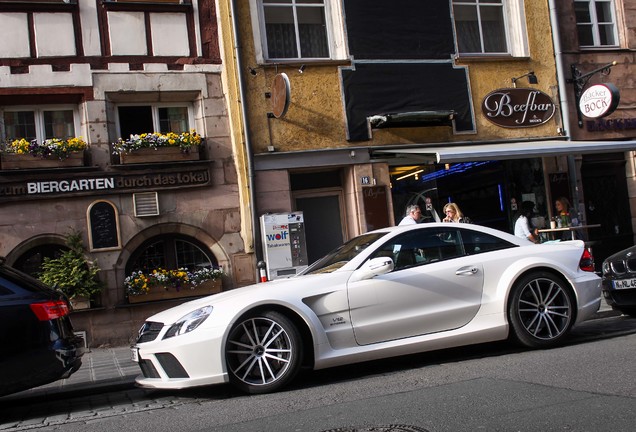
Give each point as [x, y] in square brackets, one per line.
[386, 293]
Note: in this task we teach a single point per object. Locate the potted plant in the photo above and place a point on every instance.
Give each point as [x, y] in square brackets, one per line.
[52, 152]
[161, 283]
[158, 147]
[73, 272]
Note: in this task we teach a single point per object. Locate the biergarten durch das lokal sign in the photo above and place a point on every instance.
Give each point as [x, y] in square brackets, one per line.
[101, 183]
[518, 107]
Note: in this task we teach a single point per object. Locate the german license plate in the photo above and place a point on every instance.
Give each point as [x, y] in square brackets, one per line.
[624, 283]
[134, 354]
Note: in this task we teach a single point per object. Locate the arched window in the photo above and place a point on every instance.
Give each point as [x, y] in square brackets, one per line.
[30, 262]
[170, 252]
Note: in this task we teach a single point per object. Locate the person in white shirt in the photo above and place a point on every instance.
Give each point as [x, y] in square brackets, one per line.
[523, 227]
[413, 214]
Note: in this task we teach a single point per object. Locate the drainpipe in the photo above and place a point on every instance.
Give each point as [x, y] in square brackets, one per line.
[248, 144]
[563, 102]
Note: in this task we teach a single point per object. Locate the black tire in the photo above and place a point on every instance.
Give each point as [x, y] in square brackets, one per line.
[541, 310]
[263, 353]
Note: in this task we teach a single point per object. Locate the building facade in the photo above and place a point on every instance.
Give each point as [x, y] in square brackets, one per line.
[99, 71]
[355, 110]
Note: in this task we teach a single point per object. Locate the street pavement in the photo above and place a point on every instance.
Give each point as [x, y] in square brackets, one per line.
[106, 369]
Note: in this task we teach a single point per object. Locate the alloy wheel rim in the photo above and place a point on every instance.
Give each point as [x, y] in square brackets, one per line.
[544, 309]
[259, 351]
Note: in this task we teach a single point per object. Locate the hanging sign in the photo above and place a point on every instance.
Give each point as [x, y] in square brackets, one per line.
[518, 107]
[599, 100]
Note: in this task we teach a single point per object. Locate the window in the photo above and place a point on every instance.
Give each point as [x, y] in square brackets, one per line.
[38, 124]
[297, 29]
[490, 27]
[170, 253]
[596, 23]
[31, 261]
[423, 247]
[139, 119]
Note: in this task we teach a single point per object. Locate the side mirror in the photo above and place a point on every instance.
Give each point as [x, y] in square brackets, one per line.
[372, 268]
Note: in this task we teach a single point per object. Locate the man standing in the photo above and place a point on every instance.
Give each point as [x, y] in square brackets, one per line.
[413, 214]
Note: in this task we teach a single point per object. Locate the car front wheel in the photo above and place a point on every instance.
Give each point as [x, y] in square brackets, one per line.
[263, 353]
[540, 311]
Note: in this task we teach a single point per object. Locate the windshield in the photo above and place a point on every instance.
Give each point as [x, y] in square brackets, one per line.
[343, 254]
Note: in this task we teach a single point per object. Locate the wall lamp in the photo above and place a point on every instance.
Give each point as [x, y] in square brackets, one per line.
[252, 71]
[301, 69]
[532, 79]
[579, 81]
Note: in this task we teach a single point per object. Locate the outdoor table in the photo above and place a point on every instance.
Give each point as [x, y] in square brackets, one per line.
[571, 229]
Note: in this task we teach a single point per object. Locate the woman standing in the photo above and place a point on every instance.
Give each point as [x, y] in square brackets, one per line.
[523, 226]
[454, 214]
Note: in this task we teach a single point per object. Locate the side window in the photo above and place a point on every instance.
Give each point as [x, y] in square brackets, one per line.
[138, 119]
[423, 247]
[476, 242]
[297, 29]
[596, 23]
[490, 27]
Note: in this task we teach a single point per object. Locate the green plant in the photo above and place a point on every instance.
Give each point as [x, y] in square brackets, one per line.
[72, 272]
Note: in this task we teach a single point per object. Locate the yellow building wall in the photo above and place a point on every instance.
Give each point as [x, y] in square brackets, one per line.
[315, 118]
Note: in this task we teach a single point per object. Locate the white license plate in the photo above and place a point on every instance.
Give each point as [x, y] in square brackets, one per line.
[134, 354]
[624, 283]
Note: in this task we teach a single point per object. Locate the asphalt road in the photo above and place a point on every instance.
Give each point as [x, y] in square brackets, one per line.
[587, 385]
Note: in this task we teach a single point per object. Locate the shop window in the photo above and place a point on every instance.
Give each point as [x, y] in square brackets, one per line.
[31, 261]
[596, 23]
[490, 27]
[297, 29]
[39, 124]
[170, 252]
[140, 119]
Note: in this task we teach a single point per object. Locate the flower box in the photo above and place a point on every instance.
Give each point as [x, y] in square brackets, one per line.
[166, 293]
[26, 161]
[160, 154]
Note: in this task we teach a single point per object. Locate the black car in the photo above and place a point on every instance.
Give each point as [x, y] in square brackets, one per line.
[619, 281]
[37, 343]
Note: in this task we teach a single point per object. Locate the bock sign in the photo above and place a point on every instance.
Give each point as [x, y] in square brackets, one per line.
[518, 107]
[599, 100]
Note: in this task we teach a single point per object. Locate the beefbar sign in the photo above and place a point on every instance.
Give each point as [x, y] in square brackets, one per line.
[518, 107]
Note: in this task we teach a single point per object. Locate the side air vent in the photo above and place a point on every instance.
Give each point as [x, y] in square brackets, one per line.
[146, 204]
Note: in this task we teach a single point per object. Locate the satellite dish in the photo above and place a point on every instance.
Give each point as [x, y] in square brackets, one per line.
[281, 95]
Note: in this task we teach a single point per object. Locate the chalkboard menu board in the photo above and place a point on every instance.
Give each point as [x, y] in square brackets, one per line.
[103, 226]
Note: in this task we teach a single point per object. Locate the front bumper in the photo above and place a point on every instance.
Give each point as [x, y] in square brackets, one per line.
[179, 362]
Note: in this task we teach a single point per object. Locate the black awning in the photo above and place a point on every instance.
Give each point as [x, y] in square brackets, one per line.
[412, 119]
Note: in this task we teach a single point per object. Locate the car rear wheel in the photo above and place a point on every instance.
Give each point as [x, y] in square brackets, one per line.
[263, 353]
[541, 310]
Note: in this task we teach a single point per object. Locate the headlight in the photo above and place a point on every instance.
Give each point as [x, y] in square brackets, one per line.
[189, 322]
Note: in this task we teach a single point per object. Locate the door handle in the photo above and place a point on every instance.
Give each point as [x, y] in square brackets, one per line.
[466, 271]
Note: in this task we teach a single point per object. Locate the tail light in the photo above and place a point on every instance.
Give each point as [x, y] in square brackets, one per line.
[50, 310]
[587, 261]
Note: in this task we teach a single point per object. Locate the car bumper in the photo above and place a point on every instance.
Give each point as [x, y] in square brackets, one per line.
[181, 362]
[619, 297]
[589, 297]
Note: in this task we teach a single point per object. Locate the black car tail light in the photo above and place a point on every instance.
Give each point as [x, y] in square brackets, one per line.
[587, 261]
[50, 310]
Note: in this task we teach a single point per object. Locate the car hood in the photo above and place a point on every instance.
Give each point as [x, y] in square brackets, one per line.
[622, 254]
[278, 291]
